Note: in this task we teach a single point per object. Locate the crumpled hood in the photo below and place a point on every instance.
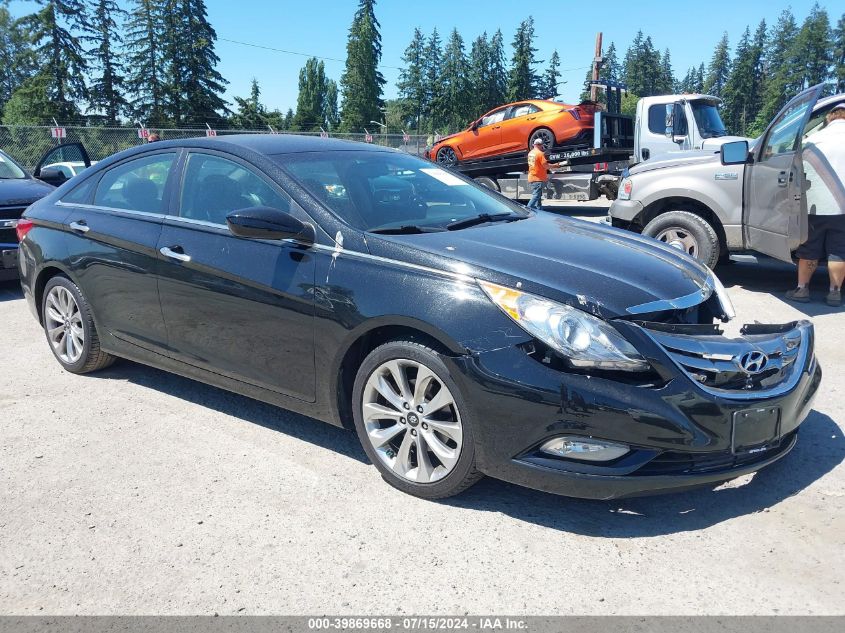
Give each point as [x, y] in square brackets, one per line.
[595, 268]
[20, 192]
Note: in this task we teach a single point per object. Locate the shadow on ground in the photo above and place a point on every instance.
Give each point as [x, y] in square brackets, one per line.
[10, 290]
[820, 448]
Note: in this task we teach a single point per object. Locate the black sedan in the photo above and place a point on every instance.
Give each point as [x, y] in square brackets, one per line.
[459, 333]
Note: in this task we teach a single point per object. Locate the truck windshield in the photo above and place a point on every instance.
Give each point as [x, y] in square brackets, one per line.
[707, 117]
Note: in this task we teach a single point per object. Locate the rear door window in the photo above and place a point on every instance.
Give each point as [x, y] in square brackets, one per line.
[136, 185]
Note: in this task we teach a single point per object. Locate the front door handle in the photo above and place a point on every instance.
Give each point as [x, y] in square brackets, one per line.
[174, 252]
[80, 226]
[782, 179]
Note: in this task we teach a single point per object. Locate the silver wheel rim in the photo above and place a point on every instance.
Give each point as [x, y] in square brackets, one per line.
[446, 156]
[63, 322]
[412, 421]
[680, 239]
[545, 136]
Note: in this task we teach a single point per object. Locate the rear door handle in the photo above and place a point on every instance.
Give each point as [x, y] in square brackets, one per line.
[174, 252]
[80, 226]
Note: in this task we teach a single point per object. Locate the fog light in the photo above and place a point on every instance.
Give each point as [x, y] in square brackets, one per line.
[589, 450]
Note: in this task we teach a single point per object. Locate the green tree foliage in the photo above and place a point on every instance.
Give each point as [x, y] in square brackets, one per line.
[56, 31]
[611, 70]
[629, 103]
[497, 85]
[311, 104]
[145, 65]
[549, 80]
[412, 81]
[433, 63]
[641, 69]
[522, 79]
[667, 75]
[780, 70]
[719, 69]
[107, 85]
[739, 88]
[813, 50]
[17, 61]
[331, 112]
[455, 86]
[250, 113]
[362, 82]
[479, 75]
[839, 54]
[30, 103]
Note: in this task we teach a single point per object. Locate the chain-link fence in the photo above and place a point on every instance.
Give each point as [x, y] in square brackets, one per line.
[27, 144]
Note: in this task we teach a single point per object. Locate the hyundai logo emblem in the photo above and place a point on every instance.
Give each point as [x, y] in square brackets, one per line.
[753, 362]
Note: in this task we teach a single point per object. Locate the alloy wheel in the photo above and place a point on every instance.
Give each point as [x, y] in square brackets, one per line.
[446, 156]
[412, 421]
[680, 239]
[63, 322]
[546, 136]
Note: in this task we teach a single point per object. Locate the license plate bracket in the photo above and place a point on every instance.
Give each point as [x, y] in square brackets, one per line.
[755, 429]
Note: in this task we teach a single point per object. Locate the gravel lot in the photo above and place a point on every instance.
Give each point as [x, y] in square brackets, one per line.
[133, 491]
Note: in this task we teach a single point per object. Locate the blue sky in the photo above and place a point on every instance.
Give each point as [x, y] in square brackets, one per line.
[689, 30]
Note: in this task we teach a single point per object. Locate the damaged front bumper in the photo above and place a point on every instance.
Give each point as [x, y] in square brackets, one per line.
[712, 410]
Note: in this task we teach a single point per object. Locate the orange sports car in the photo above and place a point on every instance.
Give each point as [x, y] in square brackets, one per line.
[513, 127]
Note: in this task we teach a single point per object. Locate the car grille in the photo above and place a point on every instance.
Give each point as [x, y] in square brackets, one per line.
[715, 361]
[679, 463]
[7, 231]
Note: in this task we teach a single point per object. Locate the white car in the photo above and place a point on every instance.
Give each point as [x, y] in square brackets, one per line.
[68, 169]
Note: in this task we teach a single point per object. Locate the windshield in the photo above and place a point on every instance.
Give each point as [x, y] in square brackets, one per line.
[373, 190]
[707, 117]
[9, 169]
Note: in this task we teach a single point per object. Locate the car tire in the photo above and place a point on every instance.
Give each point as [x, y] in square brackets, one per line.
[70, 329]
[688, 232]
[446, 157]
[490, 183]
[407, 424]
[544, 133]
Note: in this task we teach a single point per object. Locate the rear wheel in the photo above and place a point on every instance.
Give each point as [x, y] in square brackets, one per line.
[446, 156]
[70, 330]
[687, 232]
[490, 183]
[544, 134]
[412, 421]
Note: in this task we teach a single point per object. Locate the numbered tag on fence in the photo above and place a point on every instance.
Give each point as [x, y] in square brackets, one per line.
[406, 138]
[324, 135]
[58, 132]
[143, 133]
[369, 138]
[211, 133]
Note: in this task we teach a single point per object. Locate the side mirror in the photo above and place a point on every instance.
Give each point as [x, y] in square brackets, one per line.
[51, 176]
[735, 153]
[266, 223]
[474, 126]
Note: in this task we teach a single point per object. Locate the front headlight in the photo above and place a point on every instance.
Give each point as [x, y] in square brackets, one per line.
[583, 340]
[625, 189]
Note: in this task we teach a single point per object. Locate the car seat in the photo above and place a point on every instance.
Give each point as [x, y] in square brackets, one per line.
[141, 194]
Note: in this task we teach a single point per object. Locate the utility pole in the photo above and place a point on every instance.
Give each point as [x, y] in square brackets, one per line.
[597, 62]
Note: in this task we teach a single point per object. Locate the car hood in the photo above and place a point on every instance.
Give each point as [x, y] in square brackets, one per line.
[20, 192]
[595, 268]
[675, 159]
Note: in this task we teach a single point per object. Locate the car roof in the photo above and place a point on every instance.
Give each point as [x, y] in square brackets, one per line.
[270, 144]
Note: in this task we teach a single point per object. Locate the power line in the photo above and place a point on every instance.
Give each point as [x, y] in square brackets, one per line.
[281, 50]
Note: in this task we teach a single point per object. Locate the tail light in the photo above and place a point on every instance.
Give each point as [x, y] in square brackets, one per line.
[575, 112]
[600, 167]
[23, 227]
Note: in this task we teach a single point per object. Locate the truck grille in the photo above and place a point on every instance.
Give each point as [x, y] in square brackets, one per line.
[7, 231]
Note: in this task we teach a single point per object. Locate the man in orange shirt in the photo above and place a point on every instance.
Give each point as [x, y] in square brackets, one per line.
[538, 174]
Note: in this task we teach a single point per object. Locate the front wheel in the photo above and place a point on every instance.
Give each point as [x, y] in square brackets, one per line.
[413, 422]
[446, 156]
[687, 232]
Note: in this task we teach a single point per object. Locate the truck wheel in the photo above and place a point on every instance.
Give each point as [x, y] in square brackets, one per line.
[545, 134]
[687, 232]
[484, 181]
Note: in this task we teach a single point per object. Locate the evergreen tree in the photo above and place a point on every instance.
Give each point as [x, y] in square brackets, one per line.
[719, 69]
[610, 71]
[17, 61]
[30, 103]
[362, 82]
[642, 69]
[813, 48]
[780, 75]
[667, 75]
[331, 113]
[739, 88]
[412, 84]
[522, 79]
[107, 86]
[839, 54]
[497, 84]
[699, 79]
[288, 120]
[145, 65]
[431, 75]
[55, 31]
[202, 83]
[479, 75]
[311, 101]
[550, 79]
[250, 113]
[758, 62]
[455, 83]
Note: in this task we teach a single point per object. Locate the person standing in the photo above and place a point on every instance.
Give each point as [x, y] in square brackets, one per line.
[538, 174]
[824, 169]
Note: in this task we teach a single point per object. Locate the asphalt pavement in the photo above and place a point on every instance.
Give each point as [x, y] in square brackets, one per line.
[133, 491]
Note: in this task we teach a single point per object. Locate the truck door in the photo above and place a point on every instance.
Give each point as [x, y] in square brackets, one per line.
[775, 216]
